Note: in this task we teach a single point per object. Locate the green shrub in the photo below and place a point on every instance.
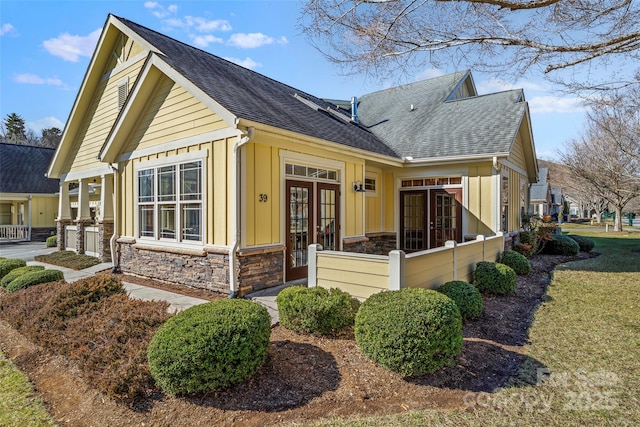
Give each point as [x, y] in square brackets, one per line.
[584, 243]
[466, 296]
[210, 346]
[316, 310]
[8, 264]
[561, 245]
[520, 264]
[52, 241]
[494, 278]
[410, 331]
[34, 278]
[8, 278]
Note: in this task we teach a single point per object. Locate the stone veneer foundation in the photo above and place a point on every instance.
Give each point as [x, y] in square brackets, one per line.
[260, 268]
[373, 243]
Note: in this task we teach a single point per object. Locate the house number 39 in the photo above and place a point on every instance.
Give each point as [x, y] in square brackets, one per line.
[262, 198]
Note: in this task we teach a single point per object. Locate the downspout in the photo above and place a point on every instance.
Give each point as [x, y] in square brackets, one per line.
[114, 236]
[233, 285]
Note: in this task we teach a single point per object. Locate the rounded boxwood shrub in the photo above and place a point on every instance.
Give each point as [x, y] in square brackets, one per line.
[494, 278]
[409, 331]
[584, 243]
[561, 245]
[34, 278]
[520, 263]
[52, 241]
[466, 296]
[316, 310]
[210, 346]
[8, 264]
[10, 276]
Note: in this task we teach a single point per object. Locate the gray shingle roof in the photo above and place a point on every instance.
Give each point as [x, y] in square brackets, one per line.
[538, 190]
[253, 96]
[22, 169]
[435, 127]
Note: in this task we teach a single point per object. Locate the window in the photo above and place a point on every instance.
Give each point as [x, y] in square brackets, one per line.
[170, 202]
[454, 180]
[310, 172]
[370, 184]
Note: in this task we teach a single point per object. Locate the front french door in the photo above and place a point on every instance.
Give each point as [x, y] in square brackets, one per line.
[428, 218]
[313, 214]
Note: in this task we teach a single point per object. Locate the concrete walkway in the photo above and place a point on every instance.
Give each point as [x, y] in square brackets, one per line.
[177, 302]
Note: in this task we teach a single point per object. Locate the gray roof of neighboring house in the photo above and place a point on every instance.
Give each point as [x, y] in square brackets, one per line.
[253, 96]
[22, 169]
[539, 190]
[436, 127]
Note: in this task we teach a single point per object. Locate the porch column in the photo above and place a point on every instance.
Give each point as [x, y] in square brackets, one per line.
[105, 219]
[64, 215]
[29, 218]
[84, 214]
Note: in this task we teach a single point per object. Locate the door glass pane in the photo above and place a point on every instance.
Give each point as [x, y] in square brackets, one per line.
[299, 225]
[445, 221]
[413, 222]
[327, 222]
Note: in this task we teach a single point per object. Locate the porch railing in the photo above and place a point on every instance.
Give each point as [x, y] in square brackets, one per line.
[362, 275]
[15, 233]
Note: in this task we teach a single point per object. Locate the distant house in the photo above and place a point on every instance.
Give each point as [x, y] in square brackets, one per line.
[215, 176]
[540, 194]
[28, 199]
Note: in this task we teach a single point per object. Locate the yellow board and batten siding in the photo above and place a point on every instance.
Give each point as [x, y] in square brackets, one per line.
[360, 276]
[480, 196]
[99, 119]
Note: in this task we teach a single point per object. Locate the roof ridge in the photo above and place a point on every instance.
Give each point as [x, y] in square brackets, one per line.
[405, 85]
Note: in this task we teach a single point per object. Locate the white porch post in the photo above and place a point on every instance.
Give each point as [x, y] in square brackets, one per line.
[312, 265]
[454, 246]
[84, 213]
[396, 270]
[29, 219]
[106, 198]
[64, 207]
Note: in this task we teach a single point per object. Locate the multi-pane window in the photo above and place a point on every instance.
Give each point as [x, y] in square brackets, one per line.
[170, 202]
[425, 182]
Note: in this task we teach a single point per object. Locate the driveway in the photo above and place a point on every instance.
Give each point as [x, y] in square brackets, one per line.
[24, 250]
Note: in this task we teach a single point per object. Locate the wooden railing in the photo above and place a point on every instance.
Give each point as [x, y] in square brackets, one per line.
[15, 233]
[362, 275]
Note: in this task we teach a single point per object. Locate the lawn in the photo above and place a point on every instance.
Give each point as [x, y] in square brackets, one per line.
[584, 352]
[68, 259]
[19, 406]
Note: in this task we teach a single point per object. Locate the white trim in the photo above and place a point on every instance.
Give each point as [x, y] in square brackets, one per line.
[215, 135]
[124, 65]
[172, 160]
[429, 161]
[514, 167]
[103, 169]
[23, 196]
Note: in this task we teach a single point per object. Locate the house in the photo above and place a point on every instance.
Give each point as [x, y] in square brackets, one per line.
[28, 199]
[215, 176]
[540, 194]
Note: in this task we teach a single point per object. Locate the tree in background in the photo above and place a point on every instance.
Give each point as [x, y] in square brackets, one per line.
[14, 131]
[603, 159]
[382, 37]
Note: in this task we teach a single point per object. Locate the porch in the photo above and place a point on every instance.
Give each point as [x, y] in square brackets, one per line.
[362, 275]
[15, 233]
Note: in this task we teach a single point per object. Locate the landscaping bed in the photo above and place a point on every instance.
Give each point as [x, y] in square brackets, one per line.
[307, 378]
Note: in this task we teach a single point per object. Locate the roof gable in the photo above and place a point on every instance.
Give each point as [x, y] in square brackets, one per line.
[23, 167]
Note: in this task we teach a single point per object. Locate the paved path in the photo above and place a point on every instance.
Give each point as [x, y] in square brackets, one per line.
[177, 302]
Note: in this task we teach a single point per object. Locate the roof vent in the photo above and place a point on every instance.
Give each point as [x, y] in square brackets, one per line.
[354, 109]
[411, 108]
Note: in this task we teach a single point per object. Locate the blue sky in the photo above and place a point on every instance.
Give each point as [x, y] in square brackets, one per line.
[46, 46]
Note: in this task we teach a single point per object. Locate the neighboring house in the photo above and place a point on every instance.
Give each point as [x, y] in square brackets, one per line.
[556, 206]
[540, 194]
[215, 176]
[28, 199]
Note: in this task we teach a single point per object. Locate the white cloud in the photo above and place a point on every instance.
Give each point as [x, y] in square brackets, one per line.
[7, 29]
[37, 80]
[158, 10]
[204, 41]
[198, 24]
[246, 62]
[429, 73]
[253, 40]
[556, 104]
[71, 48]
[45, 123]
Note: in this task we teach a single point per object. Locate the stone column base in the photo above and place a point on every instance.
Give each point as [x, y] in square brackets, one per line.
[61, 234]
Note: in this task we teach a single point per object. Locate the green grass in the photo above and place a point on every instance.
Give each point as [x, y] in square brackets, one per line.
[584, 343]
[19, 406]
[69, 259]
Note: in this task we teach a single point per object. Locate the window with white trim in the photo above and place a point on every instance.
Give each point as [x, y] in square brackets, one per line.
[170, 202]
